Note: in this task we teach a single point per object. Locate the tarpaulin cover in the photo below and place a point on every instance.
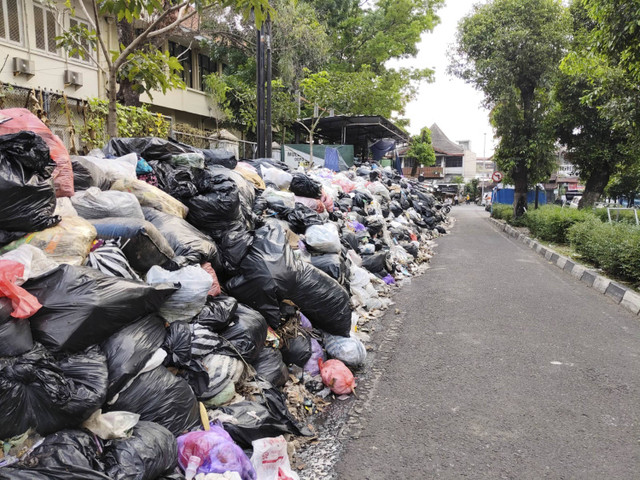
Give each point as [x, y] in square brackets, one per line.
[129, 349]
[22, 119]
[38, 392]
[381, 147]
[27, 197]
[149, 452]
[82, 307]
[161, 397]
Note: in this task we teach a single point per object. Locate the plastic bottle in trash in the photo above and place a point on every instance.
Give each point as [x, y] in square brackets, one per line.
[192, 467]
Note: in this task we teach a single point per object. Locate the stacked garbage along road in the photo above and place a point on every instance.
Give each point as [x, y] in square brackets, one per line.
[168, 312]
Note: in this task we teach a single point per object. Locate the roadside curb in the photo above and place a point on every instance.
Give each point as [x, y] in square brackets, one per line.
[628, 298]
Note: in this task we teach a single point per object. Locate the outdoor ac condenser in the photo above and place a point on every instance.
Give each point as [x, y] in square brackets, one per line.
[72, 78]
[22, 66]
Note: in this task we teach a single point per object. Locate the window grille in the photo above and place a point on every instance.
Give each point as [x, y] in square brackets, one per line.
[86, 52]
[46, 29]
[11, 24]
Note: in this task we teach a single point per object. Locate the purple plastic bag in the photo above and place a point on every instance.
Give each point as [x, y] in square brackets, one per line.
[305, 323]
[317, 352]
[218, 453]
[357, 226]
[389, 280]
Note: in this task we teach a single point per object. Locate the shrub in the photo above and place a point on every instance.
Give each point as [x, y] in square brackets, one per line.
[613, 247]
[501, 211]
[550, 222]
[624, 216]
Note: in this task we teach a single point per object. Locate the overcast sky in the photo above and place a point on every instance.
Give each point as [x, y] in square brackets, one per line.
[451, 103]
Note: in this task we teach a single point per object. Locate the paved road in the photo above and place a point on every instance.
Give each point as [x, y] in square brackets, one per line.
[505, 367]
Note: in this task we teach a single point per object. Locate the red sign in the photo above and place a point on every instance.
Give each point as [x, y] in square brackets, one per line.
[496, 177]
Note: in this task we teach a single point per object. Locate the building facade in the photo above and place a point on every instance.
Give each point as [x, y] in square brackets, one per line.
[34, 67]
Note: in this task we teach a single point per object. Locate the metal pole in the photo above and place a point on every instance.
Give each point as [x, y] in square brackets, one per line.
[268, 127]
[260, 92]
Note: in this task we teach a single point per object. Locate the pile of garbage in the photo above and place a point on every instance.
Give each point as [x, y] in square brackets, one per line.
[169, 312]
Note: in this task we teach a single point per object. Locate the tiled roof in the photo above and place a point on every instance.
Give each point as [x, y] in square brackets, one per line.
[441, 144]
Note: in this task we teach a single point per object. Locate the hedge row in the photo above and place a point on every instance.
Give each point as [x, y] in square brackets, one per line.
[551, 223]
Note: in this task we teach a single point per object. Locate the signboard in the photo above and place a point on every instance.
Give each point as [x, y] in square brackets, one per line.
[496, 177]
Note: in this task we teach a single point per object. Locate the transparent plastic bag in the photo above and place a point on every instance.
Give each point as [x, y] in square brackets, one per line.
[111, 424]
[323, 238]
[270, 459]
[279, 178]
[150, 196]
[94, 203]
[349, 350]
[187, 302]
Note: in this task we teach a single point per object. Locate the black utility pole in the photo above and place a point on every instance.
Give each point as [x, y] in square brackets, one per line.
[260, 92]
[268, 127]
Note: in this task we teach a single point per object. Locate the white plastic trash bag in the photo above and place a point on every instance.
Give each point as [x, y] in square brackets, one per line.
[35, 262]
[287, 199]
[111, 424]
[64, 207]
[349, 350]
[190, 298]
[270, 459]
[323, 238]
[94, 203]
[117, 168]
[279, 178]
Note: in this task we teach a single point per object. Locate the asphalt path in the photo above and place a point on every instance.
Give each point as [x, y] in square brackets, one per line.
[504, 367]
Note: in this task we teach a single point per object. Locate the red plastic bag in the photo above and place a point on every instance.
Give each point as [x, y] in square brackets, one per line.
[23, 119]
[215, 289]
[337, 376]
[24, 304]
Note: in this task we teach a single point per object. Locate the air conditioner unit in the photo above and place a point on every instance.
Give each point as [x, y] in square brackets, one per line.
[72, 78]
[23, 67]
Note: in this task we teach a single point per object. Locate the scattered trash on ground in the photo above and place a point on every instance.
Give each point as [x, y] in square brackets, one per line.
[168, 312]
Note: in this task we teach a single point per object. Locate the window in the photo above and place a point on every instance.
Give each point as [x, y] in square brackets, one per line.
[183, 54]
[454, 162]
[75, 24]
[46, 29]
[11, 24]
[206, 66]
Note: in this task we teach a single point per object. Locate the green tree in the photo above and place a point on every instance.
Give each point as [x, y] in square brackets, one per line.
[472, 188]
[510, 50]
[625, 183]
[595, 147]
[150, 69]
[421, 150]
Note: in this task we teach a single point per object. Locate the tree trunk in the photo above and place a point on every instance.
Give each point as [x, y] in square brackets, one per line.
[594, 188]
[112, 116]
[414, 169]
[311, 147]
[126, 94]
[520, 193]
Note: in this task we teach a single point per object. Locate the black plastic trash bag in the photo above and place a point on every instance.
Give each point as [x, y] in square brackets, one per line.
[149, 148]
[37, 392]
[267, 418]
[142, 243]
[304, 186]
[247, 332]
[395, 208]
[362, 198]
[82, 307]
[161, 397]
[219, 156]
[108, 258]
[297, 350]
[178, 345]
[375, 263]
[57, 473]
[72, 451]
[87, 174]
[129, 349]
[217, 313]
[27, 195]
[301, 217]
[185, 240]
[179, 182]
[270, 367]
[270, 273]
[15, 333]
[331, 264]
[149, 452]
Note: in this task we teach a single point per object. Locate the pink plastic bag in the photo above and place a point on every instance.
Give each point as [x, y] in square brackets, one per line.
[337, 376]
[217, 451]
[23, 119]
[215, 289]
[312, 203]
[24, 304]
[327, 201]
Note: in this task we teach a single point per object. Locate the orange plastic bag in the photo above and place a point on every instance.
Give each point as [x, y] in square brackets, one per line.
[23, 119]
[24, 304]
[337, 376]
